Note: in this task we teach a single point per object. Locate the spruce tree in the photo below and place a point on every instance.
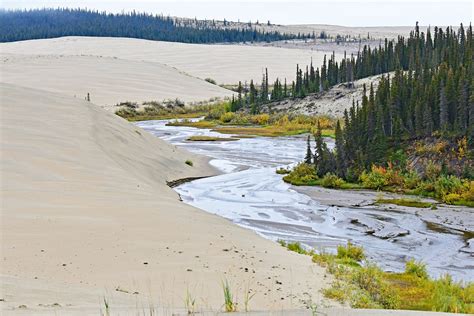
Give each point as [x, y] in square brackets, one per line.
[341, 164]
[443, 108]
[309, 154]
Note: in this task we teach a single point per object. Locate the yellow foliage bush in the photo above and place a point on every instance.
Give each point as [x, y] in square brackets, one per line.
[260, 119]
[227, 117]
[462, 148]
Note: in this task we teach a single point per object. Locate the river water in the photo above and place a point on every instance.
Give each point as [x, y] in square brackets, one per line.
[252, 195]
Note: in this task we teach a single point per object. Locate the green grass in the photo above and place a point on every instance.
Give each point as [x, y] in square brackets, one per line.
[210, 139]
[405, 202]
[367, 286]
[463, 202]
[229, 304]
[247, 130]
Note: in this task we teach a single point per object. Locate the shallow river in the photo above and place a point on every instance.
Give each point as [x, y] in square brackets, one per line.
[252, 195]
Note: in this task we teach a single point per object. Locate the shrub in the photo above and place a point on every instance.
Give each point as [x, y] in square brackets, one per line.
[296, 247]
[375, 179]
[189, 162]
[416, 268]
[445, 185]
[227, 117]
[210, 80]
[283, 120]
[462, 148]
[449, 296]
[260, 119]
[330, 180]
[302, 174]
[468, 193]
[432, 171]
[369, 278]
[411, 180]
[393, 176]
[350, 251]
[216, 112]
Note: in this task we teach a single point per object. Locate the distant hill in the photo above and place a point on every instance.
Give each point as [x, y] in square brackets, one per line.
[20, 25]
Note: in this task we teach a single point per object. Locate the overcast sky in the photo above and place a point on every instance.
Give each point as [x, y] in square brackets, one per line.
[337, 12]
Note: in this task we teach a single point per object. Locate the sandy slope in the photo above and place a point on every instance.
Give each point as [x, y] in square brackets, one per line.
[108, 80]
[332, 102]
[85, 207]
[227, 64]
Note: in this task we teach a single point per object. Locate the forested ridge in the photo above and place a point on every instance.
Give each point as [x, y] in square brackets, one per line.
[17, 25]
[418, 51]
[414, 133]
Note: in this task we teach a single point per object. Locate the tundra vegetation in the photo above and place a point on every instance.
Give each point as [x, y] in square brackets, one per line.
[364, 285]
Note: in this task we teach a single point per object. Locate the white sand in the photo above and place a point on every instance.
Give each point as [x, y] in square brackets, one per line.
[85, 205]
[108, 80]
[227, 64]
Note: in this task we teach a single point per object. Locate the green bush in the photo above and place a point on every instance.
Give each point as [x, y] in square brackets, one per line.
[330, 180]
[411, 180]
[227, 117]
[450, 296]
[302, 174]
[350, 251]
[189, 162]
[370, 279]
[375, 179]
[416, 268]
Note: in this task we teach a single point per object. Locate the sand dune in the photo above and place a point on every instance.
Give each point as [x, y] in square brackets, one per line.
[86, 214]
[332, 102]
[108, 80]
[227, 64]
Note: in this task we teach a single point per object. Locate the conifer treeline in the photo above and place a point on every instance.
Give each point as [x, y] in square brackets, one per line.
[418, 52]
[48, 23]
[435, 96]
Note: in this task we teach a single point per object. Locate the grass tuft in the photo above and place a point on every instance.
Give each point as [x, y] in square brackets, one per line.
[229, 304]
[190, 303]
[416, 268]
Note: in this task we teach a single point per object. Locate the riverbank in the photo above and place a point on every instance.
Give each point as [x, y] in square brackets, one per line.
[87, 217]
[252, 195]
[443, 218]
